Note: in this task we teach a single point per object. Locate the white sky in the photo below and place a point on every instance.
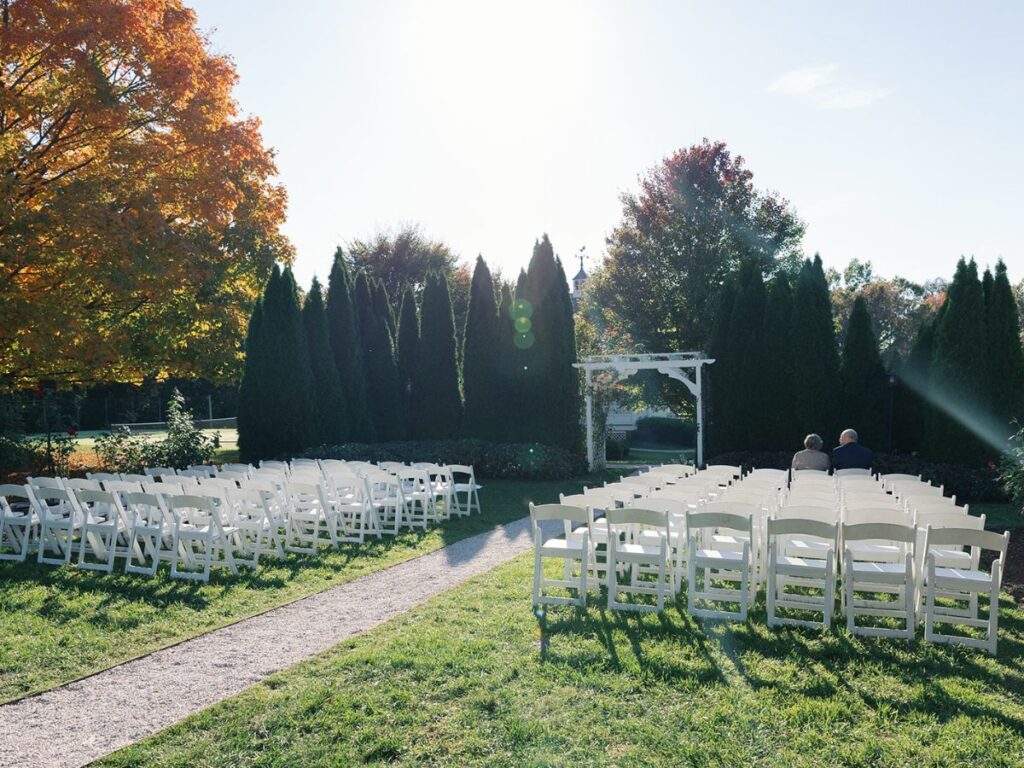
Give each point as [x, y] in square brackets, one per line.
[894, 129]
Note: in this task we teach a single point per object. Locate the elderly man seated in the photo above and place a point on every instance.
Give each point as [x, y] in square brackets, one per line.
[812, 457]
[850, 454]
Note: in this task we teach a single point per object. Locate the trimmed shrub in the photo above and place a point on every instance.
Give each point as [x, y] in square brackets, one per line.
[514, 461]
[664, 429]
[616, 450]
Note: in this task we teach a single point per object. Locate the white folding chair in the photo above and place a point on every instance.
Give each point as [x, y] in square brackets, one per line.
[159, 471]
[718, 564]
[418, 495]
[466, 500]
[60, 519]
[45, 483]
[640, 541]
[152, 532]
[259, 533]
[568, 549]
[853, 472]
[676, 511]
[81, 484]
[199, 471]
[962, 585]
[864, 574]
[817, 572]
[201, 539]
[103, 523]
[103, 476]
[17, 522]
[310, 517]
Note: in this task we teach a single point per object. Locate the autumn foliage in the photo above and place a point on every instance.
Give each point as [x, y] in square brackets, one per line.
[138, 216]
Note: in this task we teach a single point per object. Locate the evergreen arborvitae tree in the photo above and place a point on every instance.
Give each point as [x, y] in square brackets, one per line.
[565, 377]
[777, 380]
[384, 396]
[958, 373]
[343, 331]
[723, 376]
[747, 338]
[912, 410]
[484, 414]
[382, 307]
[287, 383]
[508, 389]
[815, 358]
[331, 425]
[438, 397]
[863, 381]
[408, 355]
[1005, 356]
[538, 336]
[251, 438]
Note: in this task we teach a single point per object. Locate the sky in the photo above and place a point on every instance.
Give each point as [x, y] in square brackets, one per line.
[894, 129]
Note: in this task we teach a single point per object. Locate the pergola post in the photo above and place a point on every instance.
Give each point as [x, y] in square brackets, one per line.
[700, 417]
[590, 419]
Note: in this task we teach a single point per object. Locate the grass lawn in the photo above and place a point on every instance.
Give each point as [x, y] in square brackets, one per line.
[464, 680]
[58, 624]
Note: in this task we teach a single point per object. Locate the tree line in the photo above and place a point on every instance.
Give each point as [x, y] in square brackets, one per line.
[781, 372]
[342, 366]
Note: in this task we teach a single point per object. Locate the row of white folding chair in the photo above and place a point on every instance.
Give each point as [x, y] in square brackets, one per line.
[940, 560]
[864, 575]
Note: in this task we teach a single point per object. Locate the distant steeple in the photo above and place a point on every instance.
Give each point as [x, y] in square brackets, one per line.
[579, 280]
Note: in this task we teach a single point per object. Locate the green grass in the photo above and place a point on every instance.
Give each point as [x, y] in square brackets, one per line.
[58, 623]
[1000, 515]
[464, 680]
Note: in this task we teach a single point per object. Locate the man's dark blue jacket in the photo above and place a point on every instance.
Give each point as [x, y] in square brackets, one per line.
[852, 456]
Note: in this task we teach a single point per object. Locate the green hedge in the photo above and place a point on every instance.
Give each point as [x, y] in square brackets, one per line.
[516, 461]
[663, 429]
[968, 484]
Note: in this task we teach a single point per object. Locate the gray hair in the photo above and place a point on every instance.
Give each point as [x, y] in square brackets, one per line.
[813, 442]
[850, 433]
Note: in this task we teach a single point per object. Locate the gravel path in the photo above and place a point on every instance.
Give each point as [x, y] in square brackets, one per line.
[86, 720]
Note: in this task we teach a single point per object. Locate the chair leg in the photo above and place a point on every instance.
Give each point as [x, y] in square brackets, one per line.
[537, 565]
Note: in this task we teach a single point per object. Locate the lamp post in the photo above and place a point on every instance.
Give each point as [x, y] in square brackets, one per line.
[894, 380]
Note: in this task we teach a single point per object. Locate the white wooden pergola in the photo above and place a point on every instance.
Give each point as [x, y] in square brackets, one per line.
[675, 365]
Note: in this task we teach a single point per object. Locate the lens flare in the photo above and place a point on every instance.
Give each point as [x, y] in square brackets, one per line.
[524, 340]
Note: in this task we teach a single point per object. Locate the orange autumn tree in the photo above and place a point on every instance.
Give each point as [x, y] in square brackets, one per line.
[138, 213]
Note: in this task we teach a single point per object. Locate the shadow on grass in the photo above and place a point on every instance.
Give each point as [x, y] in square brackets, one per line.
[828, 661]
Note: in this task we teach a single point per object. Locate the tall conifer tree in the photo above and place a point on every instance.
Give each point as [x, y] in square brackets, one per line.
[408, 356]
[815, 357]
[1005, 356]
[863, 381]
[747, 338]
[777, 379]
[251, 440]
[959, 373]
[723, 374]
[484, 412]
[331, 425]
[343, 331]
[565, 377]
[509, 390]
[384, 397]
[287, 383]
[439, 394]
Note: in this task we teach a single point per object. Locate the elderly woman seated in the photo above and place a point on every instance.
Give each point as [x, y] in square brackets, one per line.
[812, 457]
